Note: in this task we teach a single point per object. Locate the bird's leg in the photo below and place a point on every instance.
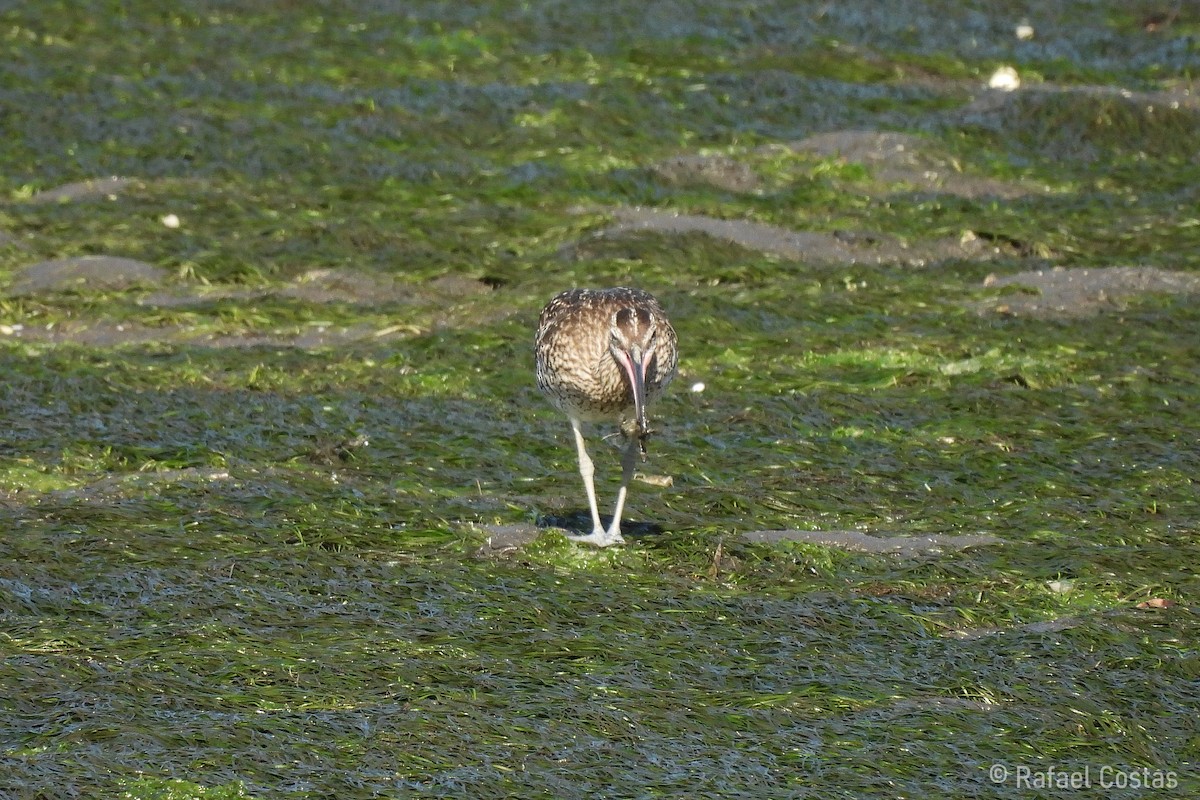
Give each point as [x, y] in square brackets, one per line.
[628, 460]
[588, 470]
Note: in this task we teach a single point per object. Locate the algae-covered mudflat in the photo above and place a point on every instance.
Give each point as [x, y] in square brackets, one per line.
[281, 508]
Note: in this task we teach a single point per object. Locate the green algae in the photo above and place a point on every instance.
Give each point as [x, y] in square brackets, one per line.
[242, 562]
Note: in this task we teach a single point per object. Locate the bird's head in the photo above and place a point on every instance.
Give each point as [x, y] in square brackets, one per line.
[632, 340]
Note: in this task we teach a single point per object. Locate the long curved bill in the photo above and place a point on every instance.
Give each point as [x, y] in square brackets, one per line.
[635, 367]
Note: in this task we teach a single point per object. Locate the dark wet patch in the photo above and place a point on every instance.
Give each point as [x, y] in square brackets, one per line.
[580, 522]
[1062, 292]
[860, 542]
[86, 273]
[505, 539]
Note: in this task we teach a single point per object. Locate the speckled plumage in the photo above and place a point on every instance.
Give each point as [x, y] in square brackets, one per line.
[587, 340]
[575, 369]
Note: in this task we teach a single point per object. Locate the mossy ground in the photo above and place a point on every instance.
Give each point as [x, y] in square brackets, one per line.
[235, 571]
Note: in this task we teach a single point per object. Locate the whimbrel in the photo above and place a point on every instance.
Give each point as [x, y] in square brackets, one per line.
[605, 355]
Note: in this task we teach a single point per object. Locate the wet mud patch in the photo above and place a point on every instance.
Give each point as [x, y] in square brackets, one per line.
[812, 247]
[95, 189]
[502, 539]
[321, 286]
[721, 172]
[1041, 627]
[896, 163]
[113, 488]
[903, 160]
[1062, 292]
[373, 289]
[905, 546]
[107, 333]
[440, 303]
[85, 273]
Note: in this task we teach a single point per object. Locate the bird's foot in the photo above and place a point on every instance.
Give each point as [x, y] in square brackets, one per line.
[599, 538]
